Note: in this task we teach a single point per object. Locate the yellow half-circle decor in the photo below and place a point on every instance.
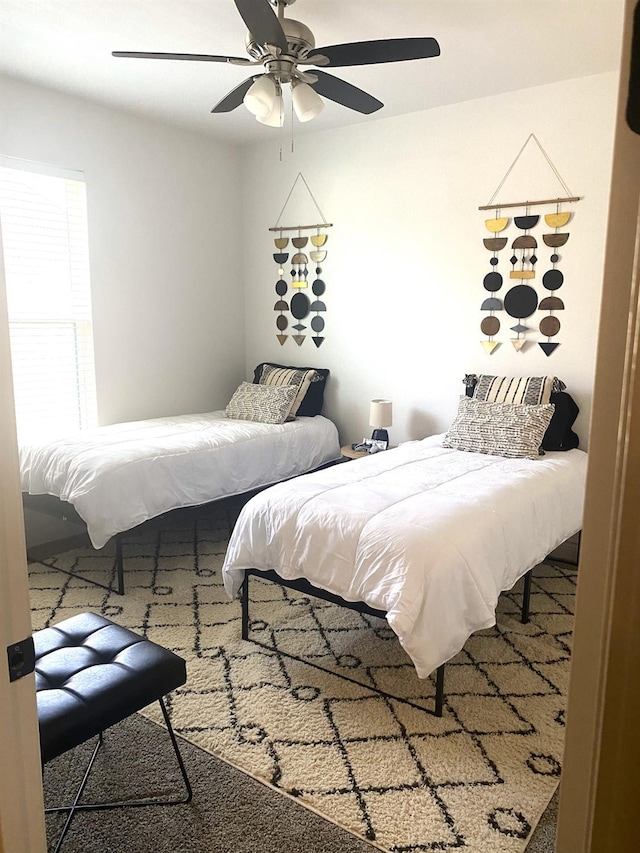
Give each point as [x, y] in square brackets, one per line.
[497, 224]
[319, 239]
[557, 220]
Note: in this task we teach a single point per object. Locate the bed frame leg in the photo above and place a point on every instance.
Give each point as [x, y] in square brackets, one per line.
[439, 690]
[244, 590]
[526, 597]
[119, 564]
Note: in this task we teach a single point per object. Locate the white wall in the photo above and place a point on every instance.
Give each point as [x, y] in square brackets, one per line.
[181, 252]
[405, 264]
[165, 249]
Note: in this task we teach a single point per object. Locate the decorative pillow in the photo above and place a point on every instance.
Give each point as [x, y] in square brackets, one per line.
[311, 401]
[263, 403]
[528, 390]
[499, 429]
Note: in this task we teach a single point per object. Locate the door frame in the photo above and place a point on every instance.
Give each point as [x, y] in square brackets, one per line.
[22, 828]
[599, 787]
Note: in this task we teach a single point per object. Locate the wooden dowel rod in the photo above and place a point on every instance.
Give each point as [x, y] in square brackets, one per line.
[303, 227]
[528, 203]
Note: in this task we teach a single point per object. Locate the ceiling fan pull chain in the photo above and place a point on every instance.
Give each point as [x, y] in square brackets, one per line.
[292, 146]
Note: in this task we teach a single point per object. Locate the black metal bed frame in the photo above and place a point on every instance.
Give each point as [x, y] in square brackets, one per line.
[307, 588]
[65, 511]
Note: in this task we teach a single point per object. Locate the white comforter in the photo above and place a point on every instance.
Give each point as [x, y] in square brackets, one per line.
[427, 534]
[121, 475]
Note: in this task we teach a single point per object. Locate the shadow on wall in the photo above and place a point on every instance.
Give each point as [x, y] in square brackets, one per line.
[421, 424]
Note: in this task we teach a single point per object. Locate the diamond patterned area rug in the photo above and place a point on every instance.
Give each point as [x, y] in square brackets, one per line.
[381, 766]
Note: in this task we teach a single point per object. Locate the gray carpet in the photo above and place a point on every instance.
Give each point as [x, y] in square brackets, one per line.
[229, 812]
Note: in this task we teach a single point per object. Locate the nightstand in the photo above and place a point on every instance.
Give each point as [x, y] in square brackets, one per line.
[348, 452]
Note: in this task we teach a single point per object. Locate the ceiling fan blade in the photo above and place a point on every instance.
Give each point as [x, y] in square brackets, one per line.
[382, 50]
[344, 93]
[234, 98]
[196, 57]
[262, 22]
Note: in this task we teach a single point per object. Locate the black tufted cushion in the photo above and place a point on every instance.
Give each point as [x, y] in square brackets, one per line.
[92, 673]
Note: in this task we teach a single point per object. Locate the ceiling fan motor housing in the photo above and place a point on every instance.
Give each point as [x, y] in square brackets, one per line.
[300, 41]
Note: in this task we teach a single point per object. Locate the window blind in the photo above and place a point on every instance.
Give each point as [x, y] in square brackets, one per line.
[43, 213]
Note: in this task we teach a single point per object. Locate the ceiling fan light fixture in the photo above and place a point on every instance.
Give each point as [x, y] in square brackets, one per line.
[261, 97]
[307, 103]
[275, 118]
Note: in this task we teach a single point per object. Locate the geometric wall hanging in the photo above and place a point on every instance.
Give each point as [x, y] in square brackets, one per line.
[297, 310]
[529, 299]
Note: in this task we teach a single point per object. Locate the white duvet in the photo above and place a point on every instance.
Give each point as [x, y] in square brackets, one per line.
[121, 475]
[427, 534]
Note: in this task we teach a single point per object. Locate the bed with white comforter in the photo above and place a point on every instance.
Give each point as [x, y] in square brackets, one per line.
[427, 534]
[119, 476]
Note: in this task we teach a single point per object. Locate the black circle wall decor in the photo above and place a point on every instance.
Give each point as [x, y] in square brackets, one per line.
[521, 301]
[553, 279]
[492, 282]
[300, 305]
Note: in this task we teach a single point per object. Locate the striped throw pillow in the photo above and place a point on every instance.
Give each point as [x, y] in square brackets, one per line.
[299, 378]
[499, 429]
[528, 390]
[261, 403]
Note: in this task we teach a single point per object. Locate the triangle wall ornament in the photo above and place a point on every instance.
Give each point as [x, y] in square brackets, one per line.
[303, 265]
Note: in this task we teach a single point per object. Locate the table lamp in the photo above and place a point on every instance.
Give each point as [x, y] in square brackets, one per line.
[380, 417]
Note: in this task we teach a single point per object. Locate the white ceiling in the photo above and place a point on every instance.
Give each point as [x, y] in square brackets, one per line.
[487, 47]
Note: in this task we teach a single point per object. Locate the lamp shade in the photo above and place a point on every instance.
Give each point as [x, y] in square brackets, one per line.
[276, 117]
[306, 102]
[261, 97]
[380, 413]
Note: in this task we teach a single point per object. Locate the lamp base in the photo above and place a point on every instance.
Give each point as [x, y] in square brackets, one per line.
[380, 435]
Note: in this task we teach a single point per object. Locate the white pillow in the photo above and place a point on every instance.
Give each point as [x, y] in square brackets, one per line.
[262, 403]
[499, 429]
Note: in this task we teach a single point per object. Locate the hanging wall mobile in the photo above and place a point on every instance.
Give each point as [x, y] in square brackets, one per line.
[526, 292]
[301, 257]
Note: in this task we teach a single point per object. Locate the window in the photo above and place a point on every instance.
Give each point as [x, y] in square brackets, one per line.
[43, 214]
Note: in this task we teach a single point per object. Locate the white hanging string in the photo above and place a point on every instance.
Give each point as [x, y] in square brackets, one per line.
[570, 196]
[322, 224]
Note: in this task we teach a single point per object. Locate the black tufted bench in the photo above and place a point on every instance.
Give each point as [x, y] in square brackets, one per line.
[91, 674]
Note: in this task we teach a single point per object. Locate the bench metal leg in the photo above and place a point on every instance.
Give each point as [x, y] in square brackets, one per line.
[77, 806]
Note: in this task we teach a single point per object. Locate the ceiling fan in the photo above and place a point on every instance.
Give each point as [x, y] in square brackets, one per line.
[281, 45]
